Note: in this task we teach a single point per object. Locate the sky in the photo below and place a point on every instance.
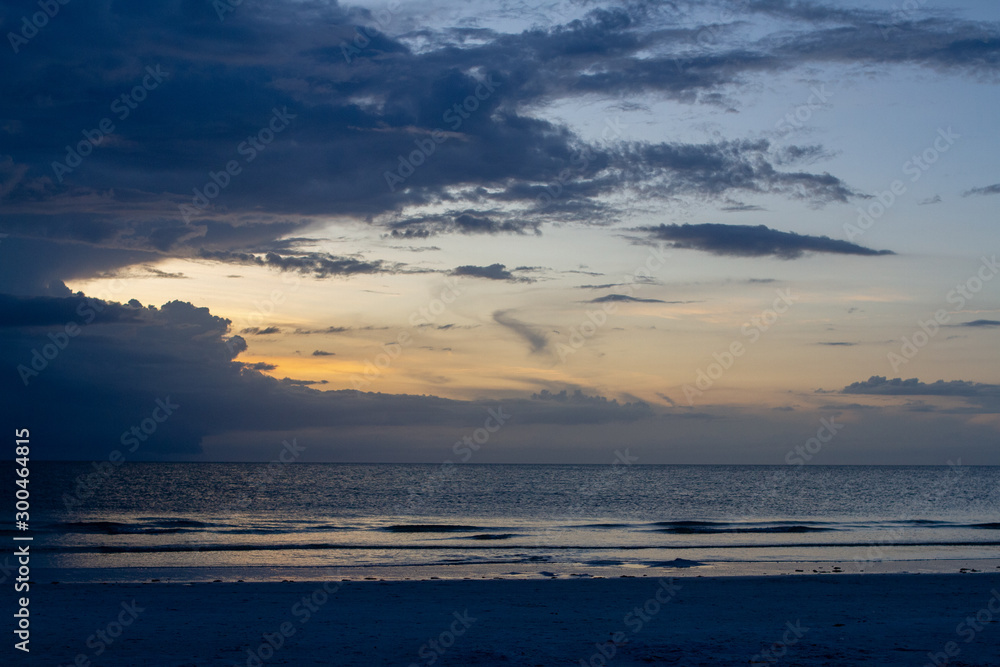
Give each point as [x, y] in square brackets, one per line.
[756, 232]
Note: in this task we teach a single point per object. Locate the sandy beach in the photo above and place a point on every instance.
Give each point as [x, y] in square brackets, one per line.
[828, 619]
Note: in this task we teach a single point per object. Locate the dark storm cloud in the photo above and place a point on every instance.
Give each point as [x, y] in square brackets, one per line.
[750, 241]
[82, 391]
[879, 385]
[85, 381]
[314, 132]
[322, 353]
[47, 311]
[33, 266]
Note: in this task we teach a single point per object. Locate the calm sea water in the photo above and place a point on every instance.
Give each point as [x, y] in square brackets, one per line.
[260, 519]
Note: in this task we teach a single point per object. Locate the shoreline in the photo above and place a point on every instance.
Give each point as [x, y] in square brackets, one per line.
[847, 619]
[514, 571]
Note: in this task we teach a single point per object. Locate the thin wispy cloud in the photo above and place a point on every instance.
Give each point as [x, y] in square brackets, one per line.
[985, 190]
[980, 323]
[625, 298]
[320, 265]
[536, 340]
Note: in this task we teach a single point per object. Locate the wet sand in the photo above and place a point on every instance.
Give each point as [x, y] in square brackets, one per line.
[810, 619]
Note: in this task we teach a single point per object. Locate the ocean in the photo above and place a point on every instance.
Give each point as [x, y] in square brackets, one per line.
[199, 521]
